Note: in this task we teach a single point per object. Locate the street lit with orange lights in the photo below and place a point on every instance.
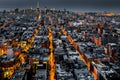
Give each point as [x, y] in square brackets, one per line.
[51, 57]
[82, 56]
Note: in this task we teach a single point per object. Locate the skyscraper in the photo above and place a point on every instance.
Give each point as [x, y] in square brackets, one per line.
[38, 7]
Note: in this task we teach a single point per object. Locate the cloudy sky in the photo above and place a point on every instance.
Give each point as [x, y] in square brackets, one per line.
[74, 5]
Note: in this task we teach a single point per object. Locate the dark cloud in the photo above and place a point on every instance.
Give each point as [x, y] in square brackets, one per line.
[84, 5]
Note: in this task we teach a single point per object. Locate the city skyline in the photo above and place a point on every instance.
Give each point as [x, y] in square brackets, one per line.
[77, 5]
[59, 40]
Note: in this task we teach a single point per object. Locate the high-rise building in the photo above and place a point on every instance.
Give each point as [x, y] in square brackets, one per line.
[38, 7]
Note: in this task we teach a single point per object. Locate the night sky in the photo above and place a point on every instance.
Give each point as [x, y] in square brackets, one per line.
[74, 5]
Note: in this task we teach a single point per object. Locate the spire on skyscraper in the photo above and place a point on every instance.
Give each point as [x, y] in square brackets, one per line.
[38, 5]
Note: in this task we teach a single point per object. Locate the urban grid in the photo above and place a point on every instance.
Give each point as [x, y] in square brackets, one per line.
[52, 44]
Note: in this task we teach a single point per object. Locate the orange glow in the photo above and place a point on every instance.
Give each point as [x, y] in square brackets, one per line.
[100, 24]
[94, 72]
[16, 53]
[3, 50]
[108, 14]
[81, 55]
[8, 72]
[97, 41]
[22, 57]
[26, 48]
[51, 57]
[39, 17]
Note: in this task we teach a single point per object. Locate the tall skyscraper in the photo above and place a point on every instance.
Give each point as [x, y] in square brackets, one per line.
[38, 7]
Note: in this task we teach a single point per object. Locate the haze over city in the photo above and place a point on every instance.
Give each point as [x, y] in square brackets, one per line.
[73, 5]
